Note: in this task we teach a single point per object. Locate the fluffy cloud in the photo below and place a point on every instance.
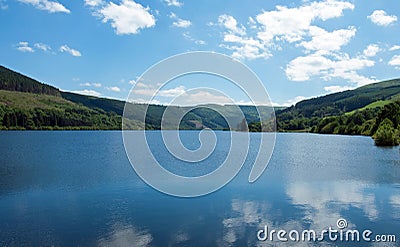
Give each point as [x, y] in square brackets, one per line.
[128, 17]
[173, 92]
[94, 3]
[291, 102]
[50, 6]
[231, 24]
[199, 97]
[87, 84]
[42, 47]
[394, 48]
[291, 24]
[180, 95]
[270, 29]
[144, 89]
[114, 89]
[174, 3]
[24, 47]
[178, 22]
[395, 61]
[371, 50]
[73, 52]
[236, 40]
[304, 67]
[381, 18]
[88, 92]
[323, 40]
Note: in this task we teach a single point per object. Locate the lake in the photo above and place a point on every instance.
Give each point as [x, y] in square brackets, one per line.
[78, 188]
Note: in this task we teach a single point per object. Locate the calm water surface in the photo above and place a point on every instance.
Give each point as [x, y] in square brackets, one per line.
[78, 188]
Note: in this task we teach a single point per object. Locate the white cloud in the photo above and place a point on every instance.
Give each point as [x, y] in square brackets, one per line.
[291, 24]
[290, 102]
[371, 50]
[381, 18]
[395, 61]
[174, 3]
[42, 47]
[245, 47]
[202, 97]
[128, 17]
[87, 84]
[394, 48]
[179, 22]
[71, 51]
[231, 24]
[144, 101]
[114, 89]
[180, 95]
[323, 40]
[236, 40]
[144, 89]
[270, 29]
[24, 47]
[87, 92]
[173, 92]
[182, 23]
[94, 3]
[336, 89]
[316, 65]
[50, 6]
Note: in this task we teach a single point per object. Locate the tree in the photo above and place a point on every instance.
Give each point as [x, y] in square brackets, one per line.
[386, 135]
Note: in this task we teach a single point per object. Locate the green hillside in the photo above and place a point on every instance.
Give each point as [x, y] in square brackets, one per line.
[306, 114]
[372, 110]
[21, 110]
[28, 104]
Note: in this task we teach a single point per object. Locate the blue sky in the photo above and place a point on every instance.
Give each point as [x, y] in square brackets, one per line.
[299, 49]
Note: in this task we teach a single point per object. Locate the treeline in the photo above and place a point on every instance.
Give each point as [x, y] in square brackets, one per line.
[382, 123]
[13, 81]
[70, 118]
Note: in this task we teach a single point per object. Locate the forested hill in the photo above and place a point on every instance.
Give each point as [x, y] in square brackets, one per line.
[14, 81]
[347, 101]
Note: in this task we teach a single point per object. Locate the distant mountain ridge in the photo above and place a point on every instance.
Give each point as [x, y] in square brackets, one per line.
[63, 109]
